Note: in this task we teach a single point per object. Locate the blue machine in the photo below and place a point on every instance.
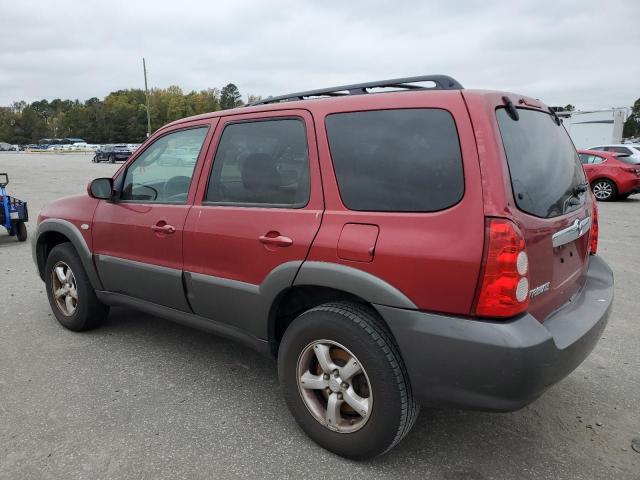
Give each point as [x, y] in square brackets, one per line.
[13, 212]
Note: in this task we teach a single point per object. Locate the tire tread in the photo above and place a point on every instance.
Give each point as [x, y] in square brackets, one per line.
[372, 325]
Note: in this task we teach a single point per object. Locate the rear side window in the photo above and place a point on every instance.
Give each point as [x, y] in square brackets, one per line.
[543, 164]
[590, 159]
[396, 160]
[263, 163]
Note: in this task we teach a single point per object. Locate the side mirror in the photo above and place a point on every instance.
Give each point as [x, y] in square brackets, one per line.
[101, 188]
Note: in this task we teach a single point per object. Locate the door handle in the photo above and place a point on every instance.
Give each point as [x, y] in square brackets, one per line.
[164, 228]
[277, 240]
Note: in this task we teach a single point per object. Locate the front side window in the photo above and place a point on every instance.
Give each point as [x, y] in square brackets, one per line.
[404, 160]
[261, 163]
[162, 173]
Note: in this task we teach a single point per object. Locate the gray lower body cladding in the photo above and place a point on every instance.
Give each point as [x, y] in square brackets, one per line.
[500, 365]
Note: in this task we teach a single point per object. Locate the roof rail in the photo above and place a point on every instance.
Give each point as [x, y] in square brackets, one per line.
[442, 82]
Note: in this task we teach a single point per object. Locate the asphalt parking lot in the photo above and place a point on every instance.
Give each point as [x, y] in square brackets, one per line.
[141, 397]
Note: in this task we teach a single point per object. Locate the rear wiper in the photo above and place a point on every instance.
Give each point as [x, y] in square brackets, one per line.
[555, 116]
[580, 188]
[573, 200]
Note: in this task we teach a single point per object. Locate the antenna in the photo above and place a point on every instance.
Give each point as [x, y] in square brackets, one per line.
[146, 94]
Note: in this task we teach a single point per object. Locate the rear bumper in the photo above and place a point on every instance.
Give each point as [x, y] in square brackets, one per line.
[500, 366]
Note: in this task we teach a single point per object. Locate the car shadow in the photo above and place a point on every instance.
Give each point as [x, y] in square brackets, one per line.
[462, 444]
[7, 241]
[632, 199]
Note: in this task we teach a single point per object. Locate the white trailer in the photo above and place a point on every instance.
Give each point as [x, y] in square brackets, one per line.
[594, 127]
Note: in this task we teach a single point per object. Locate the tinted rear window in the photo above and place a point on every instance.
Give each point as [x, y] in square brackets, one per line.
[396, 160]
[543, 164]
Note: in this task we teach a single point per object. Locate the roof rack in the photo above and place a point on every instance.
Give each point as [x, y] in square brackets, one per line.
[442, 82]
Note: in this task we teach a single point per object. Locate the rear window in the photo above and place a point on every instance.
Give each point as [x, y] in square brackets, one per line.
[543, 164]
[629, 160]
[396, 160]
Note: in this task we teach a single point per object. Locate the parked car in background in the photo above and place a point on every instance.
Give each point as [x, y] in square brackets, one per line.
[112, 153]
[627, 152]
[610, 175]
[367, 241]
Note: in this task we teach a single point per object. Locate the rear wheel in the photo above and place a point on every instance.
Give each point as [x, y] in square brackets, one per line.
[604, 190]
[21, 231]
[112, 159]
[344, 380]
[71, 296]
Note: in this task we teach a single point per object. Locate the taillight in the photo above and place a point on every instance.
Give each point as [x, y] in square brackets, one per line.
[593, 244]
[504, 289]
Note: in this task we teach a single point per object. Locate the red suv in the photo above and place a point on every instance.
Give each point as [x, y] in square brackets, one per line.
[610, 174]
[429, 245]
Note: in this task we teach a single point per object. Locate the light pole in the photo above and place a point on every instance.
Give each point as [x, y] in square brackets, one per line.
[146, 94]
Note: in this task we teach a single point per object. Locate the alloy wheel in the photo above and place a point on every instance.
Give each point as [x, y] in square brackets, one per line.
[334, 386]
[602, 190]
[64, 288]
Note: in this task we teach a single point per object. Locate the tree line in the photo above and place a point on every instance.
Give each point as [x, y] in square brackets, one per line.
[120, 117]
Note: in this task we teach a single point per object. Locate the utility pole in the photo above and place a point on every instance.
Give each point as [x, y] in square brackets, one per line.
[146, 94]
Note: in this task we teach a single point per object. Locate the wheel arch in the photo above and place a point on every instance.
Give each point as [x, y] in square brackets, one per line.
[603, 177]
[321, 282]
[52, 232]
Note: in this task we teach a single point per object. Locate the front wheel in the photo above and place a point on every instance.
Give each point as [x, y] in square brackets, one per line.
[345, 382]
[71, 296]
[604, 190]
[112, 159]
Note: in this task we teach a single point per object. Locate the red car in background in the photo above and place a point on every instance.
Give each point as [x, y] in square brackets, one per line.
[610, 174]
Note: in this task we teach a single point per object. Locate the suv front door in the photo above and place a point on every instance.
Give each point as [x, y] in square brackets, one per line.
[137, 239]
[258, 207]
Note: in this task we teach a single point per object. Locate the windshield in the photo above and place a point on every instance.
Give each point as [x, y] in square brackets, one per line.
[543, 164]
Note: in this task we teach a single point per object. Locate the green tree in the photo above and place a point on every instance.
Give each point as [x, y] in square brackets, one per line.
[230, 97]
[120, 117]
[251, 98]
[632, 125]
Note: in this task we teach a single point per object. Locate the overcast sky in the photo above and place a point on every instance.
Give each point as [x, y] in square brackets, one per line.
[586, 53]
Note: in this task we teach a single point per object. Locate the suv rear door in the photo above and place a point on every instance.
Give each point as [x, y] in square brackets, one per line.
[548, 197]
[258, 207]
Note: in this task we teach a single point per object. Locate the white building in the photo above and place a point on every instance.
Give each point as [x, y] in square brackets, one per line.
[595, 127]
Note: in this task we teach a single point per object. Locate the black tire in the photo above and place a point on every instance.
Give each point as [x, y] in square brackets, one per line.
[89, 311]
[21, 231]
[95, 159]
[362, 332]
[604, 190]
[112, 159]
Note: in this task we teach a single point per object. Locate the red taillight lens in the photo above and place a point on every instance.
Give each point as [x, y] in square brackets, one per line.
[504, 289]
[593, 245]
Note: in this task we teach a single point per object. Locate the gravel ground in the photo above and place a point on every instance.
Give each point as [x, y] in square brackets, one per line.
[141, 397]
